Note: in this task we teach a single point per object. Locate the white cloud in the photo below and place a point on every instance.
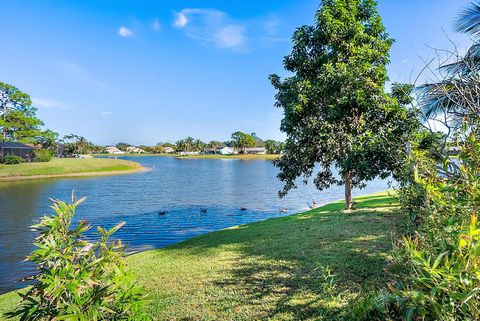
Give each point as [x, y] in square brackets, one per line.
[212, 27]
[106, 113]
[48, 103]
[156, 25]
[181, 20]
[125, 32]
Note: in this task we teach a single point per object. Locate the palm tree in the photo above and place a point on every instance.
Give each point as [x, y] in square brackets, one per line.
[456, 94]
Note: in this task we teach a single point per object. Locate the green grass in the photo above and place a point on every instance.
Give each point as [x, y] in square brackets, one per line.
[63, 166]
[238, 156]
[271, 270]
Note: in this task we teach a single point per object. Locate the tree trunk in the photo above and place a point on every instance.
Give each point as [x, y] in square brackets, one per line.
[348, 191]
[4, 129]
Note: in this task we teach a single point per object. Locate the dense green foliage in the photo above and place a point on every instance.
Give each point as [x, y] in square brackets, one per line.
[43, 155]
[12, 160]
[438, 259]
[241, 141]
[18, 121]
[336, 113]
[77, 279]
[74, 144]
[274, 147]
[189, 145]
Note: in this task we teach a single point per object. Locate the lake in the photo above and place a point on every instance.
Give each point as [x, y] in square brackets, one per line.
[181, 187]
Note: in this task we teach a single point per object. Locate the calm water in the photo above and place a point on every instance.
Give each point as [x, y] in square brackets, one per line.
[180, 187]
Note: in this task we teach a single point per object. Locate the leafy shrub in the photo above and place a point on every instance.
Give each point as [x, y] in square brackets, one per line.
[441, 280]
[43, 155]
[78, 280]
[12, 159]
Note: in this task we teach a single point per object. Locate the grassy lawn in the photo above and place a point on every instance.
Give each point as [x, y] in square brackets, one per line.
[238, 156]
[66, 166]
[309, 266]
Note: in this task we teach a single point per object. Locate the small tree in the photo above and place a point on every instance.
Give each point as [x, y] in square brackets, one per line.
[274, 147]
[78, 280]
[241, 141]
[336, 113]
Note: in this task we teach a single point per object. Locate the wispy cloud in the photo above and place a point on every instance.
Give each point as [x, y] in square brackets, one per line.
[76, 72]
[106, 113]
[156, 25]
[270, 26]
[125, 32]
[48, 103]
[213, 27]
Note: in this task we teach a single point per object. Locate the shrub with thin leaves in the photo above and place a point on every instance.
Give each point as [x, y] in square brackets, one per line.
[441, 280]
[78, 280]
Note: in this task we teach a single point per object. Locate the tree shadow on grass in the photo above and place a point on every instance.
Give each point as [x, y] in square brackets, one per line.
[307, 266]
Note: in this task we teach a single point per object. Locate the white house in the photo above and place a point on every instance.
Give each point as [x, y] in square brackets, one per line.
[113, 150]
[135, 150]
[168, 150]
[256, 150]
[225, 150]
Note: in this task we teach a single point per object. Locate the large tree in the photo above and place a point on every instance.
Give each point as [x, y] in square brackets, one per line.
[336, 111]
[241, 141]
[18, 121]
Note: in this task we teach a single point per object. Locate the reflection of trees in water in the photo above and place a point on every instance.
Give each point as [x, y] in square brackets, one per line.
[18, 204]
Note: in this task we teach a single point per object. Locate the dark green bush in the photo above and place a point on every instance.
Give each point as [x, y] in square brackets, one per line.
[77, 279]
[43, 155]
[12, 159]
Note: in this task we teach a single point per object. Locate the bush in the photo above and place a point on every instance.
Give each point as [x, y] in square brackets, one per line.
[12, 159]
[43, 155]
[78, 280]
[441, 259]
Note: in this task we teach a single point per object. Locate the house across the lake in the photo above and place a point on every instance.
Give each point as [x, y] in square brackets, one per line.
[113, 150]
[256, 151]
[135, 150]
[16, 149]
[168, 150]
[225, 150]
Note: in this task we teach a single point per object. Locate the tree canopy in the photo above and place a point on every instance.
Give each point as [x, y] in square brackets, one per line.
[18, 120]
[336, 111]
[241, 141]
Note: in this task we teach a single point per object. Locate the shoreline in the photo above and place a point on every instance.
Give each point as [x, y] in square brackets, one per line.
[82, 174]
[236, 156]
[134, 167]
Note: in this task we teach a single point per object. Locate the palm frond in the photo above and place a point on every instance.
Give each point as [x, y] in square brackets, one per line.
[466, 65]
[469, 20]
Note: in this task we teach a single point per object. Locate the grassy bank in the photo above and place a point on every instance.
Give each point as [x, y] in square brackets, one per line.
[60, 167]
[309, 266]
[239, 156]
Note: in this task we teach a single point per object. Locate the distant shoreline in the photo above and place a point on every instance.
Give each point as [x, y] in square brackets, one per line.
[236, 156]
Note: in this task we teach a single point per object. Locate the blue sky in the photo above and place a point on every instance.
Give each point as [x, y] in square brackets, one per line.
[150, 71]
